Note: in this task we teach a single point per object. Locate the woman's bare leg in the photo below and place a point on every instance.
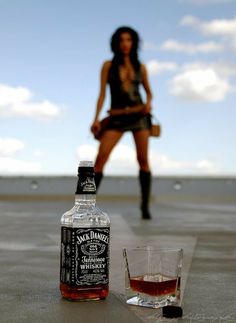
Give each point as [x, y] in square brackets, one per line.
[108, 141]
[141, 141]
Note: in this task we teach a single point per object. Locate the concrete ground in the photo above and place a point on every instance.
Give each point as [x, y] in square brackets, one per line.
[29, 262]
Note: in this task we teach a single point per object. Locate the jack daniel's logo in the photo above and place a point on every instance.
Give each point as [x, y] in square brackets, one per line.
[85, 185]
[88, 185]
[93, 235]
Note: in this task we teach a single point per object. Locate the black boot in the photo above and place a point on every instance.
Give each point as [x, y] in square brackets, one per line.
[145, 183]
[98, 178]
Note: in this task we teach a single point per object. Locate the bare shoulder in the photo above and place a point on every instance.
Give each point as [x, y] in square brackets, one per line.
[143, 69]
[106, 65]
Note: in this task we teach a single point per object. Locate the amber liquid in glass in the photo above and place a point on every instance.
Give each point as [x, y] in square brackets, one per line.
[154, 285]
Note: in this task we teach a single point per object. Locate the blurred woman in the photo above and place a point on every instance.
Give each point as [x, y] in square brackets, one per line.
[124, 74]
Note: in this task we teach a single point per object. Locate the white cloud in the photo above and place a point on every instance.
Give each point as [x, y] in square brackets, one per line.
[206, 165]
[218, 27]
[10, 146]
[157, 67]
[198, 83]
[225, 28]
[86, 152]
[38, 152]
[13, 166]
[162, 164]
[18, 102]
[224, 69]
[9, 164]
[123, 162]
[190, 48]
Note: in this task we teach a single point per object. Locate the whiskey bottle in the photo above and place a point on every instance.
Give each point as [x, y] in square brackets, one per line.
[85, 243]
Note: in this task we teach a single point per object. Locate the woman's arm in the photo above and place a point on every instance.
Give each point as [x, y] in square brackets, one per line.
[146, 85]
[103, 82]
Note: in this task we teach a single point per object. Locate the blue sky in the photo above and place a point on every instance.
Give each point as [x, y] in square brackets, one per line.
[51, 56]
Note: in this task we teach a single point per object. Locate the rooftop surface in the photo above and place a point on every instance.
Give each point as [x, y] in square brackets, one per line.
[29, 262]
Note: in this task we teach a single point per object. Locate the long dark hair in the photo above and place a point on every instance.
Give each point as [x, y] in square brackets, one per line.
[118, 58]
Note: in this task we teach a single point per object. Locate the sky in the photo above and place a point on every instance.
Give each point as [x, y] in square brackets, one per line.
[51, 57]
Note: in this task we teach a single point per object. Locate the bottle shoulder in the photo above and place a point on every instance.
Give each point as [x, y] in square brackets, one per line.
[85, 216]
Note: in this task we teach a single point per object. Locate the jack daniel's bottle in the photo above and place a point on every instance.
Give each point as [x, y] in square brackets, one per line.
[85, 235]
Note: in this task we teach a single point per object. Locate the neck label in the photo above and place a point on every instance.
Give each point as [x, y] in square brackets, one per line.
[86, 185]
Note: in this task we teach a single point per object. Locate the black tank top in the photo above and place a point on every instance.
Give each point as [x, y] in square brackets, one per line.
[121, 98]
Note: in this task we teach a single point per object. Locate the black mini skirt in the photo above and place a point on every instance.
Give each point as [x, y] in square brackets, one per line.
[133, 122]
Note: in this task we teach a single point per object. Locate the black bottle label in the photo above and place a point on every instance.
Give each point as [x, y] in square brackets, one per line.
[86, 184]
[84, 256]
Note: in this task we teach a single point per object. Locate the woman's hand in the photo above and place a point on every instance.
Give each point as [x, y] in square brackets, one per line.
[147, 108]
[95, 127]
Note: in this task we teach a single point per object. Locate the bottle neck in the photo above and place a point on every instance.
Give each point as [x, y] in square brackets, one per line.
[85, 199]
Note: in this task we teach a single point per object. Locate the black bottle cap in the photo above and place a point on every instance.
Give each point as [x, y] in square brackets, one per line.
[171, 311]
[86, 170]
[86, 167]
